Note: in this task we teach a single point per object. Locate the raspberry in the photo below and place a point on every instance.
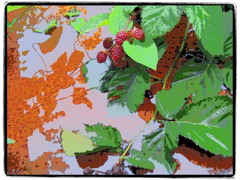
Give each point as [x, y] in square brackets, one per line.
[138, 34]
[101, 57]
[121, 37]
[107, 43]
[116, 53]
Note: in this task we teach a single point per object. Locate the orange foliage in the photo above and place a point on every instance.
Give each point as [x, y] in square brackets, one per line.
[31, 101]
[52, 42]
[91, 42]
[79, 97]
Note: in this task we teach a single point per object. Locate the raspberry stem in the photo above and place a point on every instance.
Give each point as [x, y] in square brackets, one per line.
[176, 58]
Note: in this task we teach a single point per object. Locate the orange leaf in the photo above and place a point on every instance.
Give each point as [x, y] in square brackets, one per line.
[59, 65]
[52, 42]
[79, 97]
[92, 41]
[146, 110]
[74, 60]
[24, 53]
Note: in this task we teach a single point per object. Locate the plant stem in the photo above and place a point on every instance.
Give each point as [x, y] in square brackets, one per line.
[132, 141]
[176, 58]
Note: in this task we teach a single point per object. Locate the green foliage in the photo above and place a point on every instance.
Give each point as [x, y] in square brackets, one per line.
[228, 46]
[144, 52]
[228, 78]
[119, 18]
[208, 23]
[76, 143]
[158, 146]
[158, 20]
[199, 79]
[107, 136]
[84, 69]
[77, 24]
[82, 26]
[134, 82]
[10, 24]
[72, 13]
[14, 7]
[10, 141]
[139, 159]
[52, 24]
[94, 22]
[207, 124]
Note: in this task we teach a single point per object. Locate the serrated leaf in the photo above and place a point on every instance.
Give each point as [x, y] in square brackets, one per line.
[158, 20]
[10, 141]
[72, 13]
[214, 139]
[119, 18]
[199, 80]
[228, 46]
[94, 22]
[208, 23]
[73, 143]
[134, 82]
[77, 24]
[14, 7]
[144, 52]
[228, 78]
[107, 136]
[210, 110]
[139, 159]
[159, 146]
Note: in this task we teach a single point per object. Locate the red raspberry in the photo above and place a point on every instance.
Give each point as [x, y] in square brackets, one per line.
[138, 34]
[101, 57]
[116, 53]
[121, 37]
[107, 43]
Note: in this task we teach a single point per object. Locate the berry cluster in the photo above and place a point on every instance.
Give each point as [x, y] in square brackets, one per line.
[115, 51]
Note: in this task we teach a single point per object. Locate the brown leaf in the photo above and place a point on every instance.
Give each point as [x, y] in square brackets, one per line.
[146, 110]
[79, 97]
[94, 160]
[52, 42]
[24, 53]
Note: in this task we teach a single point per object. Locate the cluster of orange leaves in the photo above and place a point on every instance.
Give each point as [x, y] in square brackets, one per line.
[31, 101]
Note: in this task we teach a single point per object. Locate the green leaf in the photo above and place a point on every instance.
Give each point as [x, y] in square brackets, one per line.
[52, 24]
[10, 141]
[72, 13]
[139, 159]
[144, 52]
[228, 46]
[170, 102]
[14, 7]
[134, 83]
[107, 136]
[211, 110]
[94, 22]
[199, 79]
[9, 24]
[119, 18]
[208, 23]
[84, 69]
[73, 143]
[158, 20]
[214, 139]
[203, 79]
[228, 78]
[228, 24]
[208, 123]
[159, 144]
[77, 24]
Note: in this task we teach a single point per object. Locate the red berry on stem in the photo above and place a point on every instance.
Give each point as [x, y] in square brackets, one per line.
[121, 37]
[101, 57]
[107, 43]
[138, 34]
[116, 53]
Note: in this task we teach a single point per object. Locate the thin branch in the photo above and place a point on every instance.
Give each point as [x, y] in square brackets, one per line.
[40, 57]
[176, 58]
